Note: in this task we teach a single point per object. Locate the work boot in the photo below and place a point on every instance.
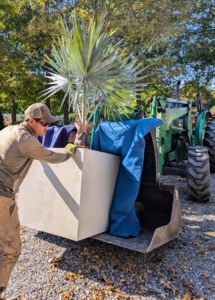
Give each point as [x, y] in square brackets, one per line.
[1, 291]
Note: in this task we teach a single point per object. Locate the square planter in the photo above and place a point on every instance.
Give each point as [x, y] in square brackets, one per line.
[70, 199]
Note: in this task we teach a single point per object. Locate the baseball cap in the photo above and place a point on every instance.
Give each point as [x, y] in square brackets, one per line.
[40, 111]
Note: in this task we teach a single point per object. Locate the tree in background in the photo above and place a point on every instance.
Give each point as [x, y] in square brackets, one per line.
[195, 47]
[16, 81]
[146, 28]
[27, 32]
[175, 37]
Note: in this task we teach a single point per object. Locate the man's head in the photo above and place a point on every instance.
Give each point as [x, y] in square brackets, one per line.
[39, 117]
[173, 94]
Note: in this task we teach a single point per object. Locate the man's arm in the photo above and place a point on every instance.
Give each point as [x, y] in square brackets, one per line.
[32, 148]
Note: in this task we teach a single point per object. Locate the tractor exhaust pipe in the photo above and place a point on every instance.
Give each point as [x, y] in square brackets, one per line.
[178, 89]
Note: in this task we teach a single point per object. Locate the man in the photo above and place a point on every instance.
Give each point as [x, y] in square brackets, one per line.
[18, 148]
[173, 94]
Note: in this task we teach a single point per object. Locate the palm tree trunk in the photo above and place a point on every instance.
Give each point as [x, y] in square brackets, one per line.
[48, 102]
[84, 101]
[66, 112]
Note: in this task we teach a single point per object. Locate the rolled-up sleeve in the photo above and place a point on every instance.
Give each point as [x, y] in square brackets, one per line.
[32, 148]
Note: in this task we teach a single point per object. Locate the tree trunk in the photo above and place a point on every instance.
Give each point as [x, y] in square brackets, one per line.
[66, 112]
[47, 52]
[13, 108]
[1, 121]
[48, 101]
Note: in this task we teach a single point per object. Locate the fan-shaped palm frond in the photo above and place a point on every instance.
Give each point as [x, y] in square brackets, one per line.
[90, 70]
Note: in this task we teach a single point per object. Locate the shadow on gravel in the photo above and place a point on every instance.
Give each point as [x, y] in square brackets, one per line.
[104, 267]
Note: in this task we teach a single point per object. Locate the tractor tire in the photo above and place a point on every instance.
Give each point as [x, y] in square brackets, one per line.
[209, 141]
[198, 173]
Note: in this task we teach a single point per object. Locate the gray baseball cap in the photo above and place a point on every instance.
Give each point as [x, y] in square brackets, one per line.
[40, 111]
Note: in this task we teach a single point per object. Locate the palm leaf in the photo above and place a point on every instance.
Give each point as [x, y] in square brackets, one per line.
[91, 71]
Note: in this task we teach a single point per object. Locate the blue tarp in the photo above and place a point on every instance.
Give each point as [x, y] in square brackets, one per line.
[125, 139]
[56, 137]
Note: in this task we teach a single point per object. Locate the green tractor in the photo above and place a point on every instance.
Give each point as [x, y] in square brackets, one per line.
[186, 136]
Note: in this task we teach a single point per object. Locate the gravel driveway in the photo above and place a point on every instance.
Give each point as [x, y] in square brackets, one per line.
[55, 268]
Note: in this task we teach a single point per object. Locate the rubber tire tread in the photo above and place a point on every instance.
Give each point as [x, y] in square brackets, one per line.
[198, 173]
[209, 142]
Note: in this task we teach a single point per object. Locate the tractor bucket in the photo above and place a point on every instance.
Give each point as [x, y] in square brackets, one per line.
[157, 207]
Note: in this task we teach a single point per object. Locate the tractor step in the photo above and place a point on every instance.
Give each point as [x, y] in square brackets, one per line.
[174, 170]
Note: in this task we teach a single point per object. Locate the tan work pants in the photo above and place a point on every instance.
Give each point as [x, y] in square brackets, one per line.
[10, 242]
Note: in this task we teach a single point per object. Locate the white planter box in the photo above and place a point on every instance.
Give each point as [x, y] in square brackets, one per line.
[71, 199]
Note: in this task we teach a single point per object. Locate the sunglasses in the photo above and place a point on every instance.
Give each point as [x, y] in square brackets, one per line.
[44, 124]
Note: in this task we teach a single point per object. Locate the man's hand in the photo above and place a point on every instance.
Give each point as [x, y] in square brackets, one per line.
[71, 148]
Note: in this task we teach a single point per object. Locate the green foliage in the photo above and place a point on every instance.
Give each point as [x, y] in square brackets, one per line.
[192, 88]
[176, 38]
[27, 31]
[146, 28]
[149, 92]
[194, 48]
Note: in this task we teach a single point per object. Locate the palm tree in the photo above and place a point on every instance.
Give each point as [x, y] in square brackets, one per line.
[91, 70]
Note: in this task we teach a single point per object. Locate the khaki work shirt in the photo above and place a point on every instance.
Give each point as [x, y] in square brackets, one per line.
[18, 148]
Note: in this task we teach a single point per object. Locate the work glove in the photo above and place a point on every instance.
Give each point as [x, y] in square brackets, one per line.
[71, 148]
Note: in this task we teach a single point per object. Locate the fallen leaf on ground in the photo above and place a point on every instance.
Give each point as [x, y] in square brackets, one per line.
[111, 288]
[127, 269]
[72, 276]
[187, 296]
[55, 260]
[85, 252]
[96, 268]
[172, 273]
[188, 257]
[188, 286]
[66, 295]
[211, 247]
[201, 251]
[105, 278]
[168, 285]
[205, 275]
